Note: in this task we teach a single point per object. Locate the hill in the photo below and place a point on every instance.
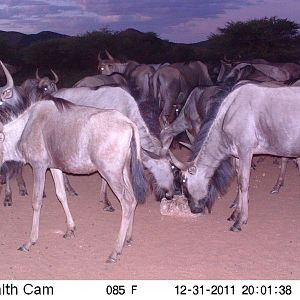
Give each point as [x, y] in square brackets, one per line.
[20, 40]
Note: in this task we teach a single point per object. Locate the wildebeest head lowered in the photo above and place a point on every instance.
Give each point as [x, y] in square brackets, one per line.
[267, 122]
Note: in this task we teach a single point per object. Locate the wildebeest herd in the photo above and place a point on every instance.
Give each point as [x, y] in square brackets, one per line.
[122, 121]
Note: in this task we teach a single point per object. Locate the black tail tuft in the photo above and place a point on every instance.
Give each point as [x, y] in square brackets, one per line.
[139, 183]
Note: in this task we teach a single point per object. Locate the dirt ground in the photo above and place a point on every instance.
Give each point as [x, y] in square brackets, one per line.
[164, 247]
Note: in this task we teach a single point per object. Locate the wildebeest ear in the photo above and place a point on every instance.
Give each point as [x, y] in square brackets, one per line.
[151, 154]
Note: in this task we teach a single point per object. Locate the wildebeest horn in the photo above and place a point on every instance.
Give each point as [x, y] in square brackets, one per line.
[178, 164]
[226, 59]
[37, 74]
[108, 55]
[99, 57]
[189, 146]
[9, 79]
[190, 136]
[55, 76]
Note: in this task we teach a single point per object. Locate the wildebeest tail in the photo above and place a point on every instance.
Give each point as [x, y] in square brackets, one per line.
[139, 184]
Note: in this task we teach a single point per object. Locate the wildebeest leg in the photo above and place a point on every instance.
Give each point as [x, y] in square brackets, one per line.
[37, 199]
[235, 163]
[68, 186]
[58, 178]
[240, 214]
[280, 179]
[298, 163]
[20, 181]
[103, 197]
[124, 193]
[8, 193]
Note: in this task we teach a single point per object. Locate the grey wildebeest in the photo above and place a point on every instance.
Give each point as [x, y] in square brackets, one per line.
[59, 135]
[154, 156]
[252, 119]
[12, 169]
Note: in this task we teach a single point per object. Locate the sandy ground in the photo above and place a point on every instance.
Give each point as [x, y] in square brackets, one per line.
[164, 247]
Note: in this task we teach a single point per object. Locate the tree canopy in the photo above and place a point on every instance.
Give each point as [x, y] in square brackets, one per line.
[269, 38]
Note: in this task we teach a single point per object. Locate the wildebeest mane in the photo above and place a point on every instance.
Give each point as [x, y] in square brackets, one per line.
[8, 111]
[60, 103]
[207, 123]
[224, 172]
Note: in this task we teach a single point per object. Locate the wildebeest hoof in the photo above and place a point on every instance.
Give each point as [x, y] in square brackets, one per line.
[6, 203]
[235, 228]
[109, 208]
[72, 193]
[274, 190]
[69, 234]
[23, 248]
[233, 205]
[129, 242]
[23, 193]
[111, 260]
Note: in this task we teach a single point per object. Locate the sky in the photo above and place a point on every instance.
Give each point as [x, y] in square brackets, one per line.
[180, 21]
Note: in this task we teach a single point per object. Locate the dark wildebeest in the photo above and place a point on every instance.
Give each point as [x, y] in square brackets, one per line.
[192, 114]
[252, 119]
[112, 65]
[59, 135]
[226, 66]
[281, 72]
[137, 75]
[173, 83]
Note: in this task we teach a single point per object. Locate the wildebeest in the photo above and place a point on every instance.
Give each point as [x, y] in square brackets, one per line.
[112, 65]
[262, 72]
[59, 135]
[226, 66]
[173, 83]
[9, 170]
[117, 98]
[29, 88]
[192, 114]
[252, 119]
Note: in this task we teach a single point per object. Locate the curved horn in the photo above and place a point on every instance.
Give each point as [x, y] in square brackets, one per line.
[99, 57]
[190, 136]
[56, 78]
[226, 59]
[9, 79]
[189, 146]
[180, 165]
[37, 74]
[108, 55]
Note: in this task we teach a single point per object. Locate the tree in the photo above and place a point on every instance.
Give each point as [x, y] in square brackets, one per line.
[269, 38]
